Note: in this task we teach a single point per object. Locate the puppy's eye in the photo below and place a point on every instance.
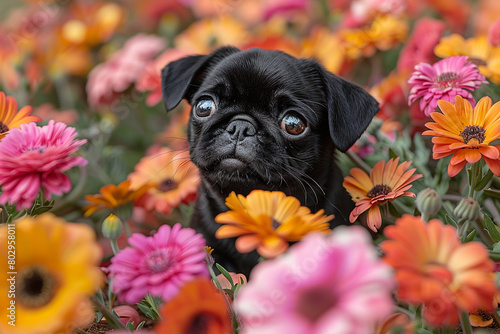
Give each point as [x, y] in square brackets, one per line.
[293, 124]
[205, 108]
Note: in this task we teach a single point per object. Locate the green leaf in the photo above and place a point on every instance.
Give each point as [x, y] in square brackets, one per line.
[130, 326]
[392, 155]
[451, 221]
[141, 324]
[393, 211]
[491, 227]
[471, 236]
[226, 274]
[145, 310]
[492, 192]
[484, 181]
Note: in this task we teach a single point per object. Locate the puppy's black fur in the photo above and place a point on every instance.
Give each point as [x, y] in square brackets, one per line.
[265, 120]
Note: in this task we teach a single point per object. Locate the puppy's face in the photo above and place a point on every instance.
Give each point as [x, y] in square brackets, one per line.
[265, 120]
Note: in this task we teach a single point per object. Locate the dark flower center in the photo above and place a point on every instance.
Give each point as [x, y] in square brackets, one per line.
[200, 324]
[447, 79]
[3, 127]
[166, 185]
[158, 261]
[312, 304]
[478, 61]
[275, 223]
[379, 189]
[36, 287]
[473, 132]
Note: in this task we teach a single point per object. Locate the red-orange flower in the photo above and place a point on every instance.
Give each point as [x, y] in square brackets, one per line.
[466, 133]
[267, 221]
[385, 183]
[10, 117]
[435, 269]
[112, 196]
[198, 308]
[172, 178]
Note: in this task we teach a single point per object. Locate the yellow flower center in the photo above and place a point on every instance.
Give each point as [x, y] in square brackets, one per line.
[315, 302]
[379, 189]
[473, 132]
[166, 185]
[447, 79]
[36, 287]
[3, 127]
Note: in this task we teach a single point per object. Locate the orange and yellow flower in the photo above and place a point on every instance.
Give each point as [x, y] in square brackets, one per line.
[384, 33]
[466, 133]
[56, 271]
[199, 308]
[112, 197]
[267, 221]
[479, 51]
[385, 183]
[171, 177]
[435, 269]
[10, 117]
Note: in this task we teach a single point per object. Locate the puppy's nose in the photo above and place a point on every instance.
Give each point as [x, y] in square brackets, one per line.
[241, 128]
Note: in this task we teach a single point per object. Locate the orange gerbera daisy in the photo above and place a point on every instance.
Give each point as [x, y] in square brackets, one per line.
[112, 197]
[385, 183]
[172, 178]
[198, 308]
[466, 133]
[10, 117]
[267, 221]
[435, 269]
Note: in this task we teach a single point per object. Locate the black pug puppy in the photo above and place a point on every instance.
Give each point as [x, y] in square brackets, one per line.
[265, 120]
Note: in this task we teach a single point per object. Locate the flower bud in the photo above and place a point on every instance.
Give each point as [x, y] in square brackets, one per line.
[467, 209]
[428, 201]
[112, 227]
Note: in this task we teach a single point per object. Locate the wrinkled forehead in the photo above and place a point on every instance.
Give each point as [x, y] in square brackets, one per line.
[261, 75]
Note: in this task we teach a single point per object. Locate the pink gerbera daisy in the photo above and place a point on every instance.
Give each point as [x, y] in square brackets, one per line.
[34, 158]
[443, 81]
[158, 265]
[323, 284]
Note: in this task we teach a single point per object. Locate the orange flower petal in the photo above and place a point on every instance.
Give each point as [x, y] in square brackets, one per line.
[374, 218]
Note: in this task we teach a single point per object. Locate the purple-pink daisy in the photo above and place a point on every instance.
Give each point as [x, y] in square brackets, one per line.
[443, 81]
[33, 158]
[323, 284]
[158, 265]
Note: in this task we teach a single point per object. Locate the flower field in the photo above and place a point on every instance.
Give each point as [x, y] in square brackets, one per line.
[97, 188]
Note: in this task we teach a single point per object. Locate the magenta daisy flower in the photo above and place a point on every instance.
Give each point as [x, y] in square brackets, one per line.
[34, 158]
[443, 81]
[158, 265]
[323, 284]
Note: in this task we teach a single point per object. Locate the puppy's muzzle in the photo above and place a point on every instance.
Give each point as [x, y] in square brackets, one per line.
[241, 127]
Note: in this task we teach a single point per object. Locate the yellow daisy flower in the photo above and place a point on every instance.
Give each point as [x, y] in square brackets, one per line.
[267, 221]
[48, 270]
[479, 51]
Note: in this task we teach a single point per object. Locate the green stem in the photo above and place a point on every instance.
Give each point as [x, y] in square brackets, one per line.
[358, 161]
[232, 314]
[110, 317]
[127, 228]
[114, 246]
[464, 321]
[474, 176]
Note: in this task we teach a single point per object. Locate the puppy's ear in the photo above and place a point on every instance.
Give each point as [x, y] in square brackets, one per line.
[181, 78]
[350, 110]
